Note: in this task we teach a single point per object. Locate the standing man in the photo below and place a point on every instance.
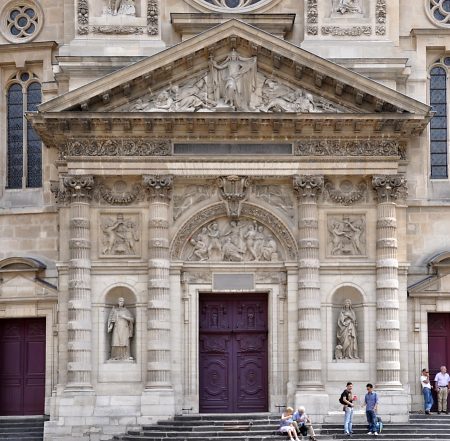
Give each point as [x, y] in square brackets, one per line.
[441, 381]
[371, 403]
[426, 390]
[347, 400]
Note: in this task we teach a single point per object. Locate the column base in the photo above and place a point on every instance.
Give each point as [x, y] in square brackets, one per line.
[157, 403]
[316, 403]
[395, 405]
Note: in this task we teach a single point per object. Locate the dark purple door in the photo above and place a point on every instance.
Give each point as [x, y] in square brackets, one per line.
[438, 345]
[22, 366]
[233, 353]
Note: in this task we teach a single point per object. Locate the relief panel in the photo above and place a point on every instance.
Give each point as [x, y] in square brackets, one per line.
[346, 235]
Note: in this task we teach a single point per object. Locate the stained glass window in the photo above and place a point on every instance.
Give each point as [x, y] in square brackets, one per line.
[24, 156]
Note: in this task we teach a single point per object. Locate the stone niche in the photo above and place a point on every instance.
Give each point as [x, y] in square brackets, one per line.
[121, 370]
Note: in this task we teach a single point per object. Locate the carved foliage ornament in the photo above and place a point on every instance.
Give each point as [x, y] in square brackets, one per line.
[390, 188]
[79, 187]
[346, 193]
[119, 194]
[233, 190]
[158, 187]
[115, 147]
[309, 186]
[347, 148]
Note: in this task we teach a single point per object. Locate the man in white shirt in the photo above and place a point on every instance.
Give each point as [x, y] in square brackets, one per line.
[441, 381]
[426, 390]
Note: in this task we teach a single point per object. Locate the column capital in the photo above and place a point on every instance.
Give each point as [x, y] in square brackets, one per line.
[308, 186]
[79, 187]
[158, 186]
[390, 188]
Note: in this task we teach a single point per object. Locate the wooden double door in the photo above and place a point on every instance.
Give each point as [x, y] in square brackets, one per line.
[233, 359]
[22, 366]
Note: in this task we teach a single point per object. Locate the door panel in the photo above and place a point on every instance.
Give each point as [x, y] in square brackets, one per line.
[233, 353]
[438, 345]
[22, 366]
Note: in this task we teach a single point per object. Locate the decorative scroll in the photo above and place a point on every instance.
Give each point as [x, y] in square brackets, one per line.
[347, 148]
[115, 147]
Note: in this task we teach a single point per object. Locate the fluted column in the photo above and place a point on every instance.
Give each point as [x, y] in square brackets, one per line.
[308, 189]
[79, 366]
[158, 329]
[389, 189]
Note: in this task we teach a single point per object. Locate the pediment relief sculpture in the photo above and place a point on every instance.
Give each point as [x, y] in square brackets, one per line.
[230, 85]
[233, 241]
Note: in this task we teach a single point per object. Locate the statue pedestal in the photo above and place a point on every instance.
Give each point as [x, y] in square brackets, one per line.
[120, 371]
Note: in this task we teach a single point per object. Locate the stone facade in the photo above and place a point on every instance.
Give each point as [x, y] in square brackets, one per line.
[289, 157]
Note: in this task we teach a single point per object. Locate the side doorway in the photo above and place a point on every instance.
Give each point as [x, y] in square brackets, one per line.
[22, 366]
[233, 358]
[438, 345]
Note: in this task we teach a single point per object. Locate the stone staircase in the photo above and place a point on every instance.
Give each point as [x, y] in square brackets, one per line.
[421, 427]
[217, 427]
[22, 428]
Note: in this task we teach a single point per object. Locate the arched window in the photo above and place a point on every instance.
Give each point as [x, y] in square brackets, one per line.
[24, 157]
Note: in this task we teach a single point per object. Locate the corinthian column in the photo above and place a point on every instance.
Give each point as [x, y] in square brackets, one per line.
[79, 366]
[308, 189]
[158, 326]
[389, 189]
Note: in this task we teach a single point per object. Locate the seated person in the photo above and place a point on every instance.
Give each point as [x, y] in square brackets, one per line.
[286, 424]
[303, 423]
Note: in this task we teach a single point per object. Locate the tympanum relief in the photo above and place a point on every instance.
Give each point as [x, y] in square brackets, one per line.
[346, 235]
[190, 195]
[232, 84]
[233, 241]
[120, 235]
[277, 196]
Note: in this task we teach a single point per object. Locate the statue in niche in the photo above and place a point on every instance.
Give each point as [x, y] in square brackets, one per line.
[119, 236]
[346, 236]
[121, 324]
[347, 341]
[233, 81]
[120, 7]
[349, 6]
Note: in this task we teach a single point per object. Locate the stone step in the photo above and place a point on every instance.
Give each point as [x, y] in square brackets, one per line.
[22, 428]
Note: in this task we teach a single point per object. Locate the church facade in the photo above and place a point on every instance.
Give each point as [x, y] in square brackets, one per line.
[220, 206]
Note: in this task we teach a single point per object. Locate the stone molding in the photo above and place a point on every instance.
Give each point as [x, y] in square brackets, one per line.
[158, 186]
[308, 187]
[354, 31]
[337, 147]
[115, 147]
[390, 188]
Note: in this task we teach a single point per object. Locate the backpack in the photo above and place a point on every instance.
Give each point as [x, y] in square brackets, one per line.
[341, 398]
[379, 425]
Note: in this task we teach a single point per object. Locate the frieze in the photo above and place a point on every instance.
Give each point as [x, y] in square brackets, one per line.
[346, 193]
[189, 196]
[115, 147]
[346, 235]
[270, 277]
[113, 29]
[197, 277]
[347, 148]
[276, 196]
[354, 31]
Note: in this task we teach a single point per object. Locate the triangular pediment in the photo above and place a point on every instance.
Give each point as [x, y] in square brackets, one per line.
[262, 72]
[21, 286]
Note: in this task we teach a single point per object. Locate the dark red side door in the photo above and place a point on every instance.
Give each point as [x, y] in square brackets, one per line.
[438, 345]
[22, 366]
[233, 357]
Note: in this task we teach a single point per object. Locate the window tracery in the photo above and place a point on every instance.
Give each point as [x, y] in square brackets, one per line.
[232, 5]
[24, 157]
[439, 11]
[21, 21]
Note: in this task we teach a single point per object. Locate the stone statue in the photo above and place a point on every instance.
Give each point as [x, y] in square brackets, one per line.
[233, 81]
[120, 7]
[120, 323]
[349, 6]
[347, 341]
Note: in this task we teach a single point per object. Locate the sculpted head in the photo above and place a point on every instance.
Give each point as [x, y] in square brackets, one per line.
[121, 301]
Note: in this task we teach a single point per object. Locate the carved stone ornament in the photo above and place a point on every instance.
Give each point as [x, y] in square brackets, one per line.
[115, 147]
[233, 241]
[158, 187]
[232, 84]
[79, 187]
[119, 194]
[153, 17]
[312, 17]
[347, 148]
[348, 7]
[196, 277]
[390, 188]
[276, 196]
[266, 224]
[113, 29]
[353, 31]
[346, 333]
[190, 196]
[380, 17]
[346, 235]
[119, 7]
[83, 17]
[308, 186]
[120, 235]
[347, 193]
[233, 190]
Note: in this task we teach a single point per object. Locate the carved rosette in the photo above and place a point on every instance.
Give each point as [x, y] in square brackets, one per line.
[233, 190]
[79, 188]
[308, 189]
[389, 189]
[158, 328]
